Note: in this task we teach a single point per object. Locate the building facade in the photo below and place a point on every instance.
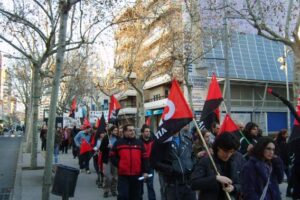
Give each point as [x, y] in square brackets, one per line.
[253, 67]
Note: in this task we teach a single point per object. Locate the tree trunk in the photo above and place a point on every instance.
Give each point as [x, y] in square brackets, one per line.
[35, 97]
[28, 124]
[28, 127]
[296, 78]
[140, 119]
[64, 11]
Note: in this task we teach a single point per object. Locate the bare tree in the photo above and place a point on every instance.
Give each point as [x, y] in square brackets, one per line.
[21, 80]
[31, 29]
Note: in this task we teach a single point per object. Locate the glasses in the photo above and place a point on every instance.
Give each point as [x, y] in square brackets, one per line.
[269, 149]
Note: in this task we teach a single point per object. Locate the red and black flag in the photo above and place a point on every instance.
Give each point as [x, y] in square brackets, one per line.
[73, 108]
[114, 107]
[228, 126]
[176, 114]
[210, 112]
[97, 123]
[148, 121]
[86, 124]
[102, 125]
[296, 128]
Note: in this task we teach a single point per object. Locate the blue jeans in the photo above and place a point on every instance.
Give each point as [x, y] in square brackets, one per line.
[56, 153]
[150, 188]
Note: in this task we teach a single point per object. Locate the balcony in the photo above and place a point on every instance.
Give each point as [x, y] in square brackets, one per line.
[155, 103]
[124, 95]
[157, 81]
[127, 111]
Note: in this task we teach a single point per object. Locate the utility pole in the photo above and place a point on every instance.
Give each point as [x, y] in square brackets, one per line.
[225, 42]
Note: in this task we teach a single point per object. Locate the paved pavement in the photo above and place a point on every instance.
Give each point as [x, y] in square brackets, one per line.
[9, 150]
[29, 185]
[86, 188]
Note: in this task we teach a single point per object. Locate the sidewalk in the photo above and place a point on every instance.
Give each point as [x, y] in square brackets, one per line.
[28, 183]
[31, 180]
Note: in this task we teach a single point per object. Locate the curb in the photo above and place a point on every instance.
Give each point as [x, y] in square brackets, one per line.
[17, 189]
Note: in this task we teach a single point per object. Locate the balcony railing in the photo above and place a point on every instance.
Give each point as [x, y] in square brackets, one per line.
[156, 98]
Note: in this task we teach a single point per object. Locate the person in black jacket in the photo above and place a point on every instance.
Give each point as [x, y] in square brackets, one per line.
[173, 160]
[129, 156]
[109, 171]
[250, 133]
[229, 164]
[75, 150]
[282, 150]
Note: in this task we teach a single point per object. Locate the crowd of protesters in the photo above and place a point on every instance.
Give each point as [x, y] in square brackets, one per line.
[249, 166]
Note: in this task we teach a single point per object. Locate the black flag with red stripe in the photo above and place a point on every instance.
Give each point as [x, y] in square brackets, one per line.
[296, 128]
[210, 112]
[176, 114]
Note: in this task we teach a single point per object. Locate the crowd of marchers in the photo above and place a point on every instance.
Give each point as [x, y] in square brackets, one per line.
[248, 166]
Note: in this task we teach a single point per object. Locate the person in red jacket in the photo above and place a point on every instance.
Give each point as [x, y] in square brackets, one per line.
[129, 156]
[148, 142]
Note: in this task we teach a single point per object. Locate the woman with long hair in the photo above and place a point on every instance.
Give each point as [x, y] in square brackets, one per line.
[263, 172]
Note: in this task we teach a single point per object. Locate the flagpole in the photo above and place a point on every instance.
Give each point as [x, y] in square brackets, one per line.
[209, 154]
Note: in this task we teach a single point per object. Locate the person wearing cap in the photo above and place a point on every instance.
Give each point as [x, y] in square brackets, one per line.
[82, 140]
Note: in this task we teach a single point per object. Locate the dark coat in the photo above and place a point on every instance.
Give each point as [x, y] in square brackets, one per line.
[173, 162]
[255, 176]
[295, 176]
[282, 151]
[204, 177]
[105, 149]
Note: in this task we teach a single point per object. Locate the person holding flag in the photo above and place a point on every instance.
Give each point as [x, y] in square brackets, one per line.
[211, 184]
[82, 140]
[249, 138]
[171, 152]
[97, 139]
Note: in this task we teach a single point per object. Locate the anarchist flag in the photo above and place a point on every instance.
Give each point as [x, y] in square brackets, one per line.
[296, 128]
[148, 121]
[114, 107]
[228, 126]
[97, 123]
[73, 108]
[176, 114]
[210, 112]
[86, 124]
[102, 125]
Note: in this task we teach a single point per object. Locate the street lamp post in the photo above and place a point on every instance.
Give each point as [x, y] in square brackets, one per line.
[283, 61]
[227, 79]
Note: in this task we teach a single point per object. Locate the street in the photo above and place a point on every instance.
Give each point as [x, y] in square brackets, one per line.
[9, 148]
